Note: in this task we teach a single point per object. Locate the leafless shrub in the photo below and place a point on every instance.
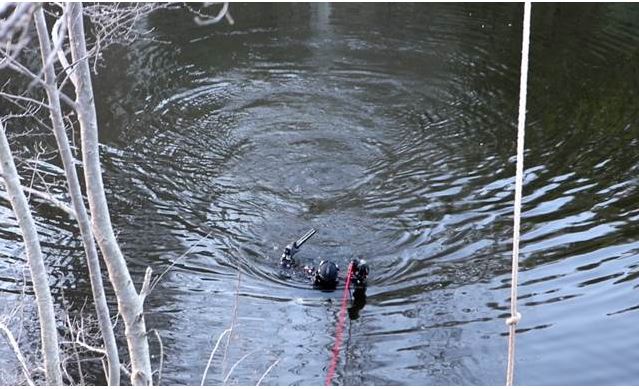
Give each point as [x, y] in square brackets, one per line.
[203, 19]
[116, 23]
[61, 66]
[14, 30]
[16, 349]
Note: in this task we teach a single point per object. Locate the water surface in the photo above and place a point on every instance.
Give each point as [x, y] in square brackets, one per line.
[390, 129]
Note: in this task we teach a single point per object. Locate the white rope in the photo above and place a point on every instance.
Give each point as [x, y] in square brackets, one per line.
[519, 178]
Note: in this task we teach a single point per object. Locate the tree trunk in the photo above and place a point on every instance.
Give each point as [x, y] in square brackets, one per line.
[129, 302]
[95, 274]
[39, 277]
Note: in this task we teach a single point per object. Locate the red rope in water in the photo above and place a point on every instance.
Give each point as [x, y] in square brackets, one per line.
[339, 330]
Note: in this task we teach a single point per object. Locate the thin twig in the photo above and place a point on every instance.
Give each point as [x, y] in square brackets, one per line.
[10, 96]
[266, 372]
[66, 372]
[52, 200]
[157, 279]
[236, 364]
[58, 41]
[217, 344]
[157, 335]
[146, 285]
[206, 20]
[125, 371]
[16, 350]
[28, 112]
[233, 319]
[23, 293]
[17, 66]
[75, 349]
[33, 177]
[88, 346]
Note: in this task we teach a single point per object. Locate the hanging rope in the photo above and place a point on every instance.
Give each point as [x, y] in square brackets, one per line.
[519, 178]
[339, 330]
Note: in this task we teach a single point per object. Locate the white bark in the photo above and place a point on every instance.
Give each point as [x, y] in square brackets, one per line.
[16, 350]
[95, 273]
[39, 276]
[129, 302]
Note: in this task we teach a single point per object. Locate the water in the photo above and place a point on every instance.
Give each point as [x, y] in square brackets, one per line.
[390, 129]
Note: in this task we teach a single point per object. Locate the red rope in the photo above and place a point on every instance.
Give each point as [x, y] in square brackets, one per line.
[339, 330]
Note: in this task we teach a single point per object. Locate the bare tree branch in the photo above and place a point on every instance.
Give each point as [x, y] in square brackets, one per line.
[33, 177]
[146, 284]
[51, 200]
[236, 305]
[176, 261]
[208, 364]
[116, 24]
[129, 302]
[95, 273]
[17, 24]
[16, 350]
[157, 335]
[228, 375]
[10, 96]
[266, 372]
[17, 66]
[48, 331]
[202, 19]
[75, 350]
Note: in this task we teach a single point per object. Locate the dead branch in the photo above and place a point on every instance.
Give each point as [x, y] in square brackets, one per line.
[10, 96]
[96, 350]
[202, 19]
[236, 305]
[48, 198]
[18, 67]
[217, 344]
[29, 111]
[33, 174]
[226, 379]
[16, 350]
[146, 284]
[17, 24]
[115, 24]
[157, 335]
[176, 261]
[75, 350]
[266, 372]
[129, 302]
[39, 274]
[17, 21]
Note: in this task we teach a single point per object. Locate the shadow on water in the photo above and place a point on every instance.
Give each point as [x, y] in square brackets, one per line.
[390, 129]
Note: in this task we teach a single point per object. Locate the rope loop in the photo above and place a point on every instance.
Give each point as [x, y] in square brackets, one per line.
[513, 320]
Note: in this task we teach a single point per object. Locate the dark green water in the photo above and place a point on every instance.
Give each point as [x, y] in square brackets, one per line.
[390, 129]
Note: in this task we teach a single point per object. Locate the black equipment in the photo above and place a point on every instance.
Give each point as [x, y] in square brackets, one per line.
[360, 272]
[326, 276]
[290, 250]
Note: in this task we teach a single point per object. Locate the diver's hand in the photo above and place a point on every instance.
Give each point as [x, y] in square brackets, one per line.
[359, 272]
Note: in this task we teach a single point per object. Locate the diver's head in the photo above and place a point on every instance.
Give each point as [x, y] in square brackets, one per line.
[326, 276]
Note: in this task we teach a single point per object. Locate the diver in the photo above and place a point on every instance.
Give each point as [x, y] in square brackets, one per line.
[326, 275]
